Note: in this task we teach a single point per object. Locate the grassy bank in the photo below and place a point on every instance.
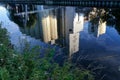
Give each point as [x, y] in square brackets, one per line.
[29, 65]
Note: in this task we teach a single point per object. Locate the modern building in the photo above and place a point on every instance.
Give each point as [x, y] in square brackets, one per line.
[61, 26]
[71, 24]
[74, 37]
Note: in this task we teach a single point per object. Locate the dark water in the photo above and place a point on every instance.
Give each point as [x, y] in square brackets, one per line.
[91, 35]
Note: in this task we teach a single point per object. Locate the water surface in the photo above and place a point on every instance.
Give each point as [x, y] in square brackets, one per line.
[89, 34]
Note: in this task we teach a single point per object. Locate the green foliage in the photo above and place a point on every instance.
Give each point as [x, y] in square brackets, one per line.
[3, 37]
[29, 65]
[4, 74]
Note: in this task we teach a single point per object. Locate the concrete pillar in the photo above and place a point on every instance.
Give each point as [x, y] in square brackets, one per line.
[46, 27]
[53, 25]
[61, 26]
[69, 17]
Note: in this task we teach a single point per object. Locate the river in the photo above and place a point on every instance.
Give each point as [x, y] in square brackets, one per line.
[90, 35]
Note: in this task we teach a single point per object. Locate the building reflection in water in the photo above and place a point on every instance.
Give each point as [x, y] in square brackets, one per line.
[45, 27]
[98, 28]
[60, 26]
[74, 37]
[49, 26]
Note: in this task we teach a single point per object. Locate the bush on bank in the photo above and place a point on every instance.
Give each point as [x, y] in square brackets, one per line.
[29, 65]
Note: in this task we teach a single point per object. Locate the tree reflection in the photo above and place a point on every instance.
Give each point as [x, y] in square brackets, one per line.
[110, 16]
[23, 20]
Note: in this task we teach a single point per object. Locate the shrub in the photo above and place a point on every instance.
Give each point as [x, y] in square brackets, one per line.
[29, 65]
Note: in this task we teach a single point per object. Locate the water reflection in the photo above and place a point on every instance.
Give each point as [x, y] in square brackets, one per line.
[115, 13]
[97, 29]
[63, 26]
[45, 27]
[58, 26]
[74, 37]
[97, 25]
[16, 37]
[85, 32]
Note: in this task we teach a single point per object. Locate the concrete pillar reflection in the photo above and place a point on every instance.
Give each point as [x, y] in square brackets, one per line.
[46, 27]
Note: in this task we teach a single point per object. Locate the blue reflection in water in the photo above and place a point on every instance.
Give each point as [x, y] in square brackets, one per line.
[109, 41]
[16, 37]
[103, 47]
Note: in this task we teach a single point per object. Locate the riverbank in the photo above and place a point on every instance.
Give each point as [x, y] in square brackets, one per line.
[29, 65]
